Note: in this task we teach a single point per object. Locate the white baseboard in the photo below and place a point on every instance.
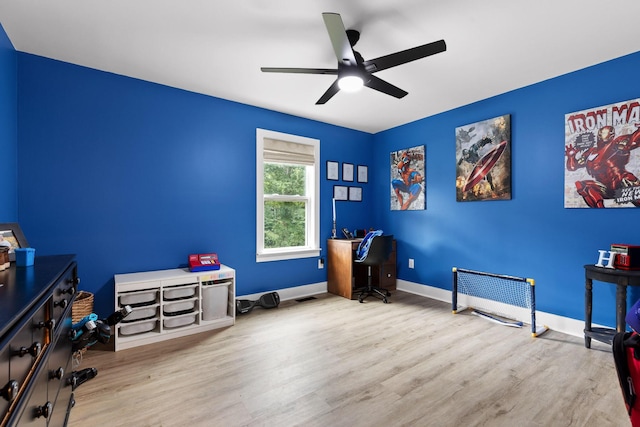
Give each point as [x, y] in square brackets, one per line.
[554, 322]
[296, 292]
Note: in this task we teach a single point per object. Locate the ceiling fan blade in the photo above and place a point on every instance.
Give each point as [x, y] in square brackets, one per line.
[339, 39]
[299, 70]
[384, 87]
[333, 89]
[402, 57]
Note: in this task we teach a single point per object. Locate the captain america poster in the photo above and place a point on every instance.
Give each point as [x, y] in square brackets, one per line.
[602, 164]
[483, 160]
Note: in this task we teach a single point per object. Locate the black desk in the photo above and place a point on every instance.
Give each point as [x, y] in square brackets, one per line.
[622, 279]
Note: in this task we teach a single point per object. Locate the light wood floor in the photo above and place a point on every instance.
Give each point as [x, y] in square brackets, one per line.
[335, 362]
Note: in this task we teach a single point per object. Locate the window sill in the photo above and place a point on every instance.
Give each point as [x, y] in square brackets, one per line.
[287, 255]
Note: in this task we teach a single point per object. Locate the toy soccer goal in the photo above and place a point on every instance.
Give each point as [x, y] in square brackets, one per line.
[507, 300]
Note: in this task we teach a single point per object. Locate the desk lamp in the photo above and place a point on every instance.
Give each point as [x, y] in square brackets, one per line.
[333, 228]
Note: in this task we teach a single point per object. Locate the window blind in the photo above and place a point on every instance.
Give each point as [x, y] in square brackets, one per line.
[279, 151]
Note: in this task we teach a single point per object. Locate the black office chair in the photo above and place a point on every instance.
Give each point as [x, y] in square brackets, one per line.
[379, 252]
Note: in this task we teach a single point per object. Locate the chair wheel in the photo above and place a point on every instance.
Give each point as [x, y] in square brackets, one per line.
[385, 301]
[361, 300]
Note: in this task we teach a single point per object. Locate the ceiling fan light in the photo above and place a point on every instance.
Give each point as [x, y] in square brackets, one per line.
[350, 83]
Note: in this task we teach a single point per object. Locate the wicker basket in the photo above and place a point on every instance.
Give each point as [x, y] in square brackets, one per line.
[82, 306]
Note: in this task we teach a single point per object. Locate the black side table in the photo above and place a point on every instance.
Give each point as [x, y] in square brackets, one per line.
[622, 279]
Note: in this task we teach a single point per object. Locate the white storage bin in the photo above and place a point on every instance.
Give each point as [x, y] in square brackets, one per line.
[215, 299]
[177, 322]
[138, 328]
[179, 292]
[138, 298]
[179, 307]
[140, 314]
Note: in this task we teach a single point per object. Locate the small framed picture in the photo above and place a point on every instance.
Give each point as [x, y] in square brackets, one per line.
[12, 237]
[340, 192]
[332, 170]
[347, 172]
[363, 173]
[355, 194]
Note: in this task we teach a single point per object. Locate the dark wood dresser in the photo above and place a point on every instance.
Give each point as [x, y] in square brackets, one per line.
[35, 349]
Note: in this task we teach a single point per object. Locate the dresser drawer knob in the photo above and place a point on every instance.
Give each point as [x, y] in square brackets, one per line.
[44, 410]
[49, 324]
[62, 303]
[57, 374]
[69, 291]
[34, 350]
[10, 390]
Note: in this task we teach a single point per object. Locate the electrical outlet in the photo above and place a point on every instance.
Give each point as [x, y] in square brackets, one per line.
[411, 263]
[321, 263]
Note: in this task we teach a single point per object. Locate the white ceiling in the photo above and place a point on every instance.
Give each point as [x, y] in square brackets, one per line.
[217, 47]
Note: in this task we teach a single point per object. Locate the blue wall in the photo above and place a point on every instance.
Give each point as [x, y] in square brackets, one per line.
[8, 131]
[532, 235]
[134, 176]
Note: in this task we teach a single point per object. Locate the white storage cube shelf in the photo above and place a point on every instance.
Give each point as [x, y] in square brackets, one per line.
[171, 303]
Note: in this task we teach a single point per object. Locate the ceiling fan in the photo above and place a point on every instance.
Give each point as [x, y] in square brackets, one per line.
[353, 71]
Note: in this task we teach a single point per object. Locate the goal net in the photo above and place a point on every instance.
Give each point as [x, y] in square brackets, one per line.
[507, 300]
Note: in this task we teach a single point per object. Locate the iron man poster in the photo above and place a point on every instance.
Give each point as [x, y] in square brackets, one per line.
[601, 160]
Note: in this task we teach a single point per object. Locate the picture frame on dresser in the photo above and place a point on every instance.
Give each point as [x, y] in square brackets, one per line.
[12, 233]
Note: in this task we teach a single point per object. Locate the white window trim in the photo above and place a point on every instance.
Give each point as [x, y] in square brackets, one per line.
[312, 249]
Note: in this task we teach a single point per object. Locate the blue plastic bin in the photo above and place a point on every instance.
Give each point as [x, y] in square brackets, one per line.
[25, 256]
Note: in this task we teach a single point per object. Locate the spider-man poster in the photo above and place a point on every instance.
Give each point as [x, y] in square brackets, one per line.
[407, 179]
[483, 160]
[602, 164]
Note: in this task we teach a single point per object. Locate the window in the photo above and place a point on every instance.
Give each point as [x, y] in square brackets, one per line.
[287, 196]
